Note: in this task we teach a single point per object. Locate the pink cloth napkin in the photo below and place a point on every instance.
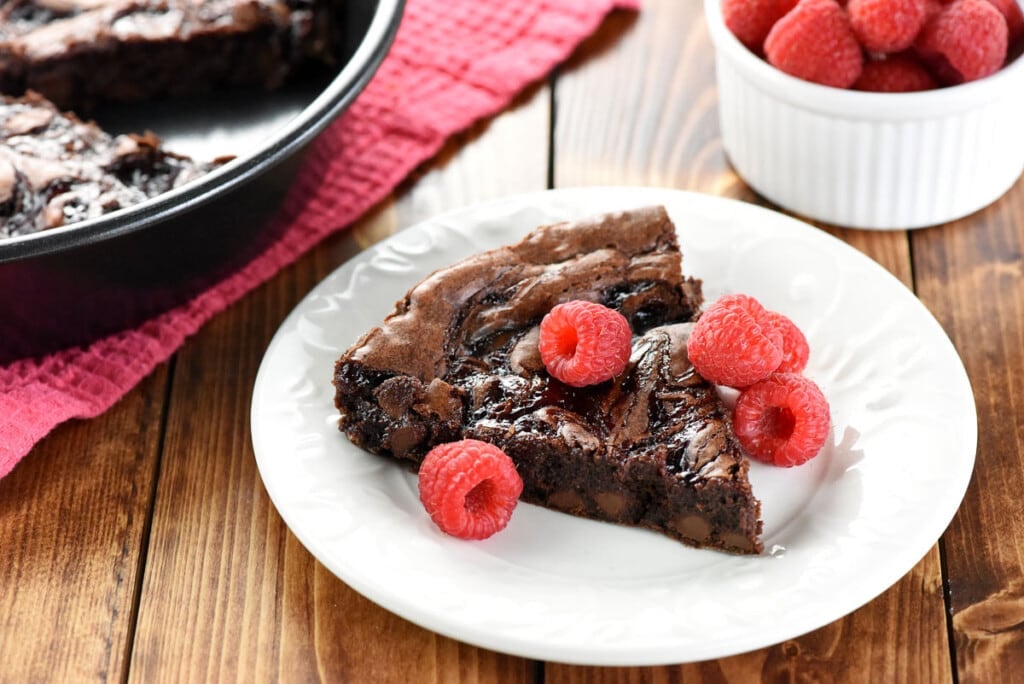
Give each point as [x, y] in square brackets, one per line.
[453, 62]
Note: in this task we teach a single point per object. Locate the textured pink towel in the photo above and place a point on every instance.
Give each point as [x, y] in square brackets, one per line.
[453, 63]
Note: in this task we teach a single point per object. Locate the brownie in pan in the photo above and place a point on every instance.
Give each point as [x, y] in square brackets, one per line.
[79, 52]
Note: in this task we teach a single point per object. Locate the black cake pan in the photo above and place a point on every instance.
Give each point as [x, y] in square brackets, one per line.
[71, 285]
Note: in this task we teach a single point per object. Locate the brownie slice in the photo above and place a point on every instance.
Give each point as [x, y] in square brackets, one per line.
[56, 169]
[458, 358]
[77, 52]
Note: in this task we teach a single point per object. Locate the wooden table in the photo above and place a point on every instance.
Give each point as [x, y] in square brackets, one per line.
[142, 546]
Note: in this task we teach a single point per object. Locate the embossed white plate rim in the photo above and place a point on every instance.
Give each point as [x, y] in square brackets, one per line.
[839, 530]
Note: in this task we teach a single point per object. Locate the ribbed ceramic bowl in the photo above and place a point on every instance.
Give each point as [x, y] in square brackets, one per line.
[867, 160]
[74, 284]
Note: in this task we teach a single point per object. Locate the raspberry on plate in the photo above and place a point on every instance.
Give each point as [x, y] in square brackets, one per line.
[895, 74]
[469, 488]
[751, 20]
[964, 41]
[733, 344]
[886, 25]
[783, 420]
[795, 350]
[583, 343]
[815, 42]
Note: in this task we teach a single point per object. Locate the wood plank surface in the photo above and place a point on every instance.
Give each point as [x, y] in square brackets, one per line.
[610, 129]
[229, 593]
[636, 105]
[74, 518]
[971, 276]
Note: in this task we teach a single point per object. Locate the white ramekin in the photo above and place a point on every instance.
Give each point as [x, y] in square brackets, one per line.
[867, 160]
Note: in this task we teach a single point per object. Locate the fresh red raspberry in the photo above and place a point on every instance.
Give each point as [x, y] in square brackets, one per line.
[469, 488]
[751, 20]
[583, 343]
[795, 350]
[964, 41]
[731, 343]
[886, 25]
[815, 42]
[783, 420]
[895, 74]
[1014, 19]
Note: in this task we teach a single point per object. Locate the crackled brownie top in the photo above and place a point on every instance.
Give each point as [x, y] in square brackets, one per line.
[56, 169]
[627, 260]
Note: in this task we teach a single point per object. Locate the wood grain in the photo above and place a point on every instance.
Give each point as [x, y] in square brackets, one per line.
[74, 518]
[971, 276]
[645, 112]
[637, 105]
[229, 593]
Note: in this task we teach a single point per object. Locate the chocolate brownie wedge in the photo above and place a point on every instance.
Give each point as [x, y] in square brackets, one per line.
[77, 52]
[458, 358]
[56, 169]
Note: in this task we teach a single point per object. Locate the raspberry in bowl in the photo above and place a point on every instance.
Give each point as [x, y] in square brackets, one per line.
[820, 148]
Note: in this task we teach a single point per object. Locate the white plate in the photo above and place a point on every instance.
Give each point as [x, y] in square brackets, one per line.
[838, 530]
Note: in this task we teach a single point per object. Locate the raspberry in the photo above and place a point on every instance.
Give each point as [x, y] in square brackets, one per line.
[896, 74]
[815, 42]
[469, 488]
[1014, 18]
[886, 25]
[583, 343]
[751, 20]
[964, 41]
[730, 344]
[783, 420]
[795, 350]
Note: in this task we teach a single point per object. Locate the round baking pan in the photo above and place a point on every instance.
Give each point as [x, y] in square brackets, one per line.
[70, 285]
